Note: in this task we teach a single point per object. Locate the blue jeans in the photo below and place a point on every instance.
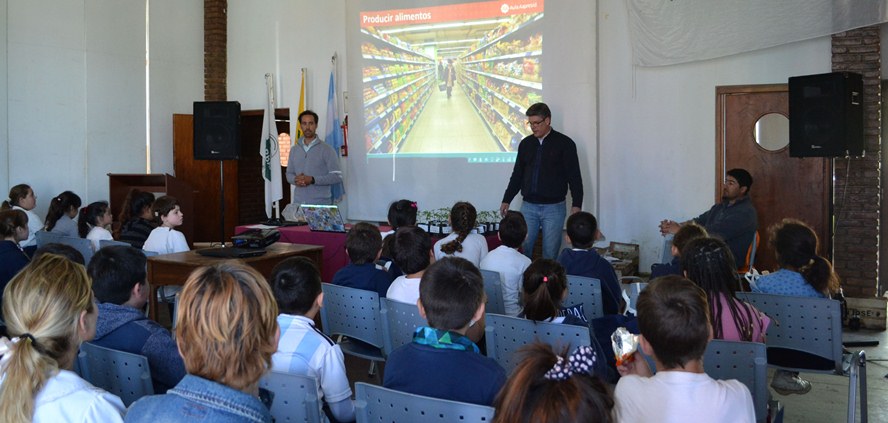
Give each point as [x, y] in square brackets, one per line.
[549, 217]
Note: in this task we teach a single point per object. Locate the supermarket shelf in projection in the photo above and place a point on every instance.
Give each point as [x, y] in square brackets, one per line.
[494, 50]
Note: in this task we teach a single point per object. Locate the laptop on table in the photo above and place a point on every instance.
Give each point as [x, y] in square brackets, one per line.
[323, 218]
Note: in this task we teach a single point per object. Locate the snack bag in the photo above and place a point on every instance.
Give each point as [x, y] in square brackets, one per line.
[624, 344]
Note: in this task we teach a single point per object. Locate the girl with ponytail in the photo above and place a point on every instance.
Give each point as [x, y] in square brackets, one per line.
[93, 223]
[554, 388]
[545, 287]
[803, 273]
[60, 217]
[462, 242]
[49, 310]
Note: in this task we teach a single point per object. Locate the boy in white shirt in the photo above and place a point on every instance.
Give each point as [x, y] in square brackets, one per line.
[673, 315]
[413, 254]
[506, 260]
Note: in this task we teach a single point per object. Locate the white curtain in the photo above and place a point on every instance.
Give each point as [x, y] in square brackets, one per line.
[666, 32]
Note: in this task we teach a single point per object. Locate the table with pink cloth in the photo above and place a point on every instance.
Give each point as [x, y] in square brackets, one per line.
[335, 256]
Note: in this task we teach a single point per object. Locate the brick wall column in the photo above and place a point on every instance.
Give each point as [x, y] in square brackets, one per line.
[215, 50]
[857, 182]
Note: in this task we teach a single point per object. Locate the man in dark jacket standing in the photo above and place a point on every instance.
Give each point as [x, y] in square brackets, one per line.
[546, 166]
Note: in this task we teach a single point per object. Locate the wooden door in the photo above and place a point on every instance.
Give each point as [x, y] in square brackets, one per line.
[782, 186]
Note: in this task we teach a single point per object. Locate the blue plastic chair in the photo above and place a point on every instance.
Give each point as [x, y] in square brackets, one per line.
[354, 314]
[504, 335]
[83, 245]
[812, 326]
[377, 404]
[120, 373]
[399, 322]
[295, 397]
[745, 361]
[494, 290]
[110, 243]
[586, 291]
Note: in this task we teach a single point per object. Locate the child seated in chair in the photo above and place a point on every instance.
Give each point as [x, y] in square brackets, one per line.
[673, 315]
[442, 362]
[303, 349]
[363, 244]
[554, 388]
[803, 273]
[412, 249]
[583, 260]
[508, 261]
[687, 233]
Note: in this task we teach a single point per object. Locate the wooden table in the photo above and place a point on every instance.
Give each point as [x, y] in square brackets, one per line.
[173, 269]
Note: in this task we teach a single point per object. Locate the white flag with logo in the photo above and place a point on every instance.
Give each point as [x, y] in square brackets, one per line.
[271, 154]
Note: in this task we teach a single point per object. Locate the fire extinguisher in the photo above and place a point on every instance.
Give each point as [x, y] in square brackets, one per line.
[344, 149]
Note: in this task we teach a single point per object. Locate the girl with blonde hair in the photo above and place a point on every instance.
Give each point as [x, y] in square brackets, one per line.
[49, 310]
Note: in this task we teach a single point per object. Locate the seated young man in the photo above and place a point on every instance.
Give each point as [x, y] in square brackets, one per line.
[583, 260]
[508, 261]
[118, 275]
[363, 243]
[673, 316]
[442, 362]
[303, 349]
[687, 233]
[412, 249]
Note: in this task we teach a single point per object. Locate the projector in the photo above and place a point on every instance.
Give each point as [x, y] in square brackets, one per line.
[256, 238]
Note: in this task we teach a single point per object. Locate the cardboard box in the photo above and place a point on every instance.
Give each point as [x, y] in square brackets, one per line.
[871, 311]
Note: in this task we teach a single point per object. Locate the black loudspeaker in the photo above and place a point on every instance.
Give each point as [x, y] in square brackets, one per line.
[826, 115]
[217, 130]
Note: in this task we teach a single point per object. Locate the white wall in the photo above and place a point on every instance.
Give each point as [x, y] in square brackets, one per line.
[281, 37]
[658, 127]
[176, 62]
[73, 105]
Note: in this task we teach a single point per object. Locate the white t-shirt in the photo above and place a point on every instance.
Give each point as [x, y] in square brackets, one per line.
[682, 397]
[474, 248]
[98, 233]
[163, 240]
[67, 398]
[35, 223]
[511, 265]
[404, 289]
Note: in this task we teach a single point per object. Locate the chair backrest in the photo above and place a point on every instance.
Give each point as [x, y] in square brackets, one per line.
[376, 404]
[83, 245]
[120, 373]
[43, 237]
[749, 260]
[353, 313]
[811, 325]
[295, 397]
[109, 242]
[506, 334]
[745, 361]
[632, 291]
[586, 291]
[399, 322]
[494, 290]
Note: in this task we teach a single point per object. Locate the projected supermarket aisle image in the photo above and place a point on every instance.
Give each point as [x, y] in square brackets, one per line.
[451, 81]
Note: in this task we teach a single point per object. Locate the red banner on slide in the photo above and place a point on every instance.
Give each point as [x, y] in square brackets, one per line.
[454, 12]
